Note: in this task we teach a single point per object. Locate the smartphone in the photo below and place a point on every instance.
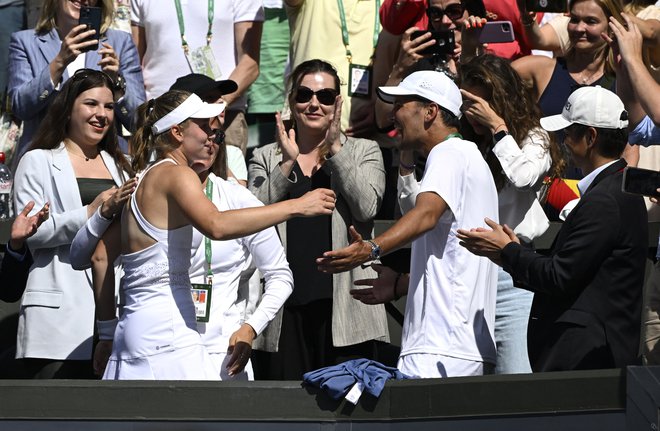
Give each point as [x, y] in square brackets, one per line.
[444, 42]
[497, 32]
[559, 6]
[91, 17]
[641, 181]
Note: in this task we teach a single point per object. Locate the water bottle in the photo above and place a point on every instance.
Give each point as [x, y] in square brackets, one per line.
[6, 182]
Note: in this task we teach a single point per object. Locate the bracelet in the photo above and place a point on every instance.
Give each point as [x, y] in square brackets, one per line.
[409, 167]
[106, 328]
[396, 283]
[497, 127]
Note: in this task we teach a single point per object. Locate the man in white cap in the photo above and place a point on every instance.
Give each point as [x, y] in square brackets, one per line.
[449, 319]
[588, 291]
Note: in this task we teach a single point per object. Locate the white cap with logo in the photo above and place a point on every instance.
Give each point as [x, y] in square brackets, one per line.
[430, 85]
[589, 106]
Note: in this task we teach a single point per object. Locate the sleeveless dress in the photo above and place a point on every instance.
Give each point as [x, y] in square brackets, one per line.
[561, 85]
[157, 338]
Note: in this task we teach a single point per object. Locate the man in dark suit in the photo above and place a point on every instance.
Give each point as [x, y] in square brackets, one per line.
[17, 259]
[588, 291]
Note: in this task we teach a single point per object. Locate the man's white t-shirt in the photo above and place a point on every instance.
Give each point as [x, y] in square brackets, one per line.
[450, 308]
[164, 60]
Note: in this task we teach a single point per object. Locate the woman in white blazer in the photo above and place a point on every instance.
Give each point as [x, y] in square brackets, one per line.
[75, 164]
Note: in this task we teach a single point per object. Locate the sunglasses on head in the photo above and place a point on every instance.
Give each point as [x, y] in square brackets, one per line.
[325, 96]
[453, 11]
[86, 73]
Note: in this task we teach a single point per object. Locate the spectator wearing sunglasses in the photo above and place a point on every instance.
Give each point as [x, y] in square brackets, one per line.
[319, 31]
[75, 164]
[43, 58]
[397, 16]
[440, 15]
[320, 324]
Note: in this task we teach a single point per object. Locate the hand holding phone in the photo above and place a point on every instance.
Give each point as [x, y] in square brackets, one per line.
[91, 17]
[444, 42]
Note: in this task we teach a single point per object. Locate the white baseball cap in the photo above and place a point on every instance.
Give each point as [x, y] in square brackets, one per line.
[192, 107]
[430, 85]
[589, 106]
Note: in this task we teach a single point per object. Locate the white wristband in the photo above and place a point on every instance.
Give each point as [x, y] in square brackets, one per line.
[106, 328]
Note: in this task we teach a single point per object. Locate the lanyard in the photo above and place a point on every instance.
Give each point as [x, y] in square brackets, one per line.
[344, 28]
[207, 241]
[182, 26]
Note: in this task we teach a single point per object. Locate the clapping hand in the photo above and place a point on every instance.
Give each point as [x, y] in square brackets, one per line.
[487, 242]
[333, 133]
[286, 140]
[25, 226]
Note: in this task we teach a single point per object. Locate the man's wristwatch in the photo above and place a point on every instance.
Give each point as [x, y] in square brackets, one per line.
[375, 250]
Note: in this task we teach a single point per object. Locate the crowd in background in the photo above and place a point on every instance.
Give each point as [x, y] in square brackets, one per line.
[233, 143]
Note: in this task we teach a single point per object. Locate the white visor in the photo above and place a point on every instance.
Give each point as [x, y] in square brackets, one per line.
[192, 107]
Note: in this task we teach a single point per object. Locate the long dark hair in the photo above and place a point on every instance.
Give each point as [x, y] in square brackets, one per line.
[55, 126]
[220, 164]
[511, 100]
[307, 68]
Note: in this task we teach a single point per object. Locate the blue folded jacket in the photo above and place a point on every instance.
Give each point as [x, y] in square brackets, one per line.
[337, 380]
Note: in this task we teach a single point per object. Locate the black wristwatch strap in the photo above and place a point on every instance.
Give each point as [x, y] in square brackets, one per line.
[497, 137]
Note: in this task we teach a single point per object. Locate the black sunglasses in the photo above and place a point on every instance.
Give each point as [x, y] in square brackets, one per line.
[325, 96]
[453, 11]
[219, 138]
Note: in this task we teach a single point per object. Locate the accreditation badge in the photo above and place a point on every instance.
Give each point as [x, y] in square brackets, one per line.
[201, 294]
[359, 80]
[201, 60]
